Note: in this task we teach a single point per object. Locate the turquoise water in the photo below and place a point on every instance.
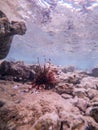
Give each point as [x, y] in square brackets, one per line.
[64, 31]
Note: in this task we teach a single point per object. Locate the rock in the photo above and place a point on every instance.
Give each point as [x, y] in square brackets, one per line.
[82, 104]
[94, 113]
[80, 92]
[95, 99]
[89, 82]
[66, 96]
[68, 69]
[49, 121]
[95, 104]
[16, 71]
[64, 88]
[94, 72]
[7, 31]
[17, 28]
[72, 78]
[2, 103]
[90, 123]
[91, 93]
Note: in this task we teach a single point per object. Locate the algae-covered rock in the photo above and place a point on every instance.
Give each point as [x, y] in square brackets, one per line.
[49, 121]
[94, 113]
[16, 71]
[7, 31]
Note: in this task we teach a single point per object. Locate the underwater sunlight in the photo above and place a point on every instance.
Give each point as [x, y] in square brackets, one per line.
[64, 31]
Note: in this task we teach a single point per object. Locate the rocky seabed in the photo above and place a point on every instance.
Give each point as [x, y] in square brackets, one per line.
[71, 105]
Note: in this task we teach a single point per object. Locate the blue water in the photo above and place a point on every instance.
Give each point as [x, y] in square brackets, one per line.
[64, 31]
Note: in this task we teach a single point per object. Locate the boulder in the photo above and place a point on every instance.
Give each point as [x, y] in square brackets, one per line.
[16, 71]
[94, 72]
[7, 31]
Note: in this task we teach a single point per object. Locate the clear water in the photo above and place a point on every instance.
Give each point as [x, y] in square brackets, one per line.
[65, 31]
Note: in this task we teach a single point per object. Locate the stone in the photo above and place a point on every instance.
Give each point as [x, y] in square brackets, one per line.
[64, 88]
[66, 96]
[94, 72]
[82, 104]
[16, 71]
[74, 79]
[91, 93]
[89, 82]
[91, 123]
[2, 103]
[7, 31]
[80, 92]
[49, 121]
[94, 113]
[68, 69]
